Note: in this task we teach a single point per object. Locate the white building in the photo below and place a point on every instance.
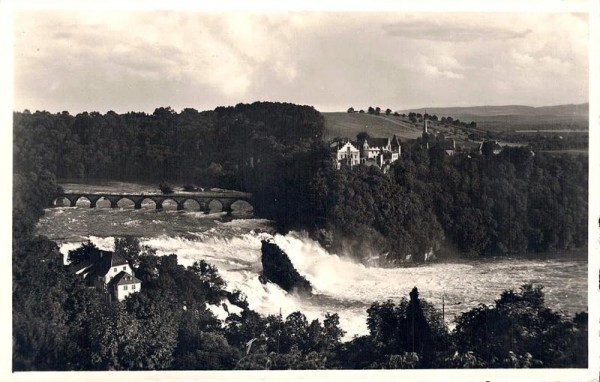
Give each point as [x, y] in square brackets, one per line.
[346, 153]
[124, 284]
[379, 152]
[109, 272]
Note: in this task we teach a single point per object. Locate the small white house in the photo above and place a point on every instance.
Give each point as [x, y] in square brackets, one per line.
[124, 284]
[110, 272]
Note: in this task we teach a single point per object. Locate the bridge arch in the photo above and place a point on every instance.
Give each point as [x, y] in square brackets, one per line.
[102, 202]
[168, 203]
[125, 202]
[61, 201]
[148, 203]
[214, 205]
[242, 206]
[82, 201]
[191, 204]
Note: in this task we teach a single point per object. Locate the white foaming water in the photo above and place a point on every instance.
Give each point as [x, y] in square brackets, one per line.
[340, 285]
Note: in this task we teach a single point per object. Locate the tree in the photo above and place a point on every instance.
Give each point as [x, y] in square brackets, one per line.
[114, 340]
[350, 109]
[209, 275]
[332, 331]
[520, 331]
[406, 335]
[362, 136]
[388, 111]
[82, 254]
[130, 249]
[165, 188]
[371, 110]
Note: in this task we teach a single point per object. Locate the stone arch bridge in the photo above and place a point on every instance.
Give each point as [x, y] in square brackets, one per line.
[226, 199]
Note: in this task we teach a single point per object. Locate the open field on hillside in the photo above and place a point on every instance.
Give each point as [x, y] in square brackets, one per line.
[349, 125]
[516, 117]
[560, 134]
[520, 122]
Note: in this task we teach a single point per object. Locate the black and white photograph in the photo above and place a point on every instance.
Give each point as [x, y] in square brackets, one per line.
[252, 192]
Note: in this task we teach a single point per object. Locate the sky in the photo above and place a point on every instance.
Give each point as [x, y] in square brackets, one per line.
[100, 60]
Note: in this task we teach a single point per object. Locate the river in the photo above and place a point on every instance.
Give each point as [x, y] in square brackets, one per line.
[340, 285]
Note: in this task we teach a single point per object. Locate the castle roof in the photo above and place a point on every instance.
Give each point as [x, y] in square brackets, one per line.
[378, 142]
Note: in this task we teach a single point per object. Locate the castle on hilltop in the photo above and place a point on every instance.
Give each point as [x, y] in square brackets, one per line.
[380, 152]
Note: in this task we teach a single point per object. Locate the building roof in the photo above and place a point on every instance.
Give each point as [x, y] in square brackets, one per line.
[81, 267]
[106, 261]
[101, 262]
[124, 278]
[340, 144]
[377, 142]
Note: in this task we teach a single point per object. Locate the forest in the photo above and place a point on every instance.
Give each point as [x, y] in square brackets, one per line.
[514, 203]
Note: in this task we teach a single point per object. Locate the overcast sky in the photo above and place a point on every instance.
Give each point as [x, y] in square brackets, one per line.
[137, 61]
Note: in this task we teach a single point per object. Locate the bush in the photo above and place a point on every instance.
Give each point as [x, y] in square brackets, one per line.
[165, 188]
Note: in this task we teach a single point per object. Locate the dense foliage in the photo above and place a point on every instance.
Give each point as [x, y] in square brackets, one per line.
[519, 331]
[513, 202]
[366, 209]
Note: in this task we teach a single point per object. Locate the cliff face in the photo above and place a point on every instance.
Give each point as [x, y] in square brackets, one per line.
[278, 269]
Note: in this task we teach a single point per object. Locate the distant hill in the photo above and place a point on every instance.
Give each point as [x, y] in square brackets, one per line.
[580, 110]
[350, 124]
[513, 117]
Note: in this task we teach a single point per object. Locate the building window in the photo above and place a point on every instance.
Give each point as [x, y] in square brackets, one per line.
[133, 286]
[124, 267]
[115, 269]
[125, 287]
